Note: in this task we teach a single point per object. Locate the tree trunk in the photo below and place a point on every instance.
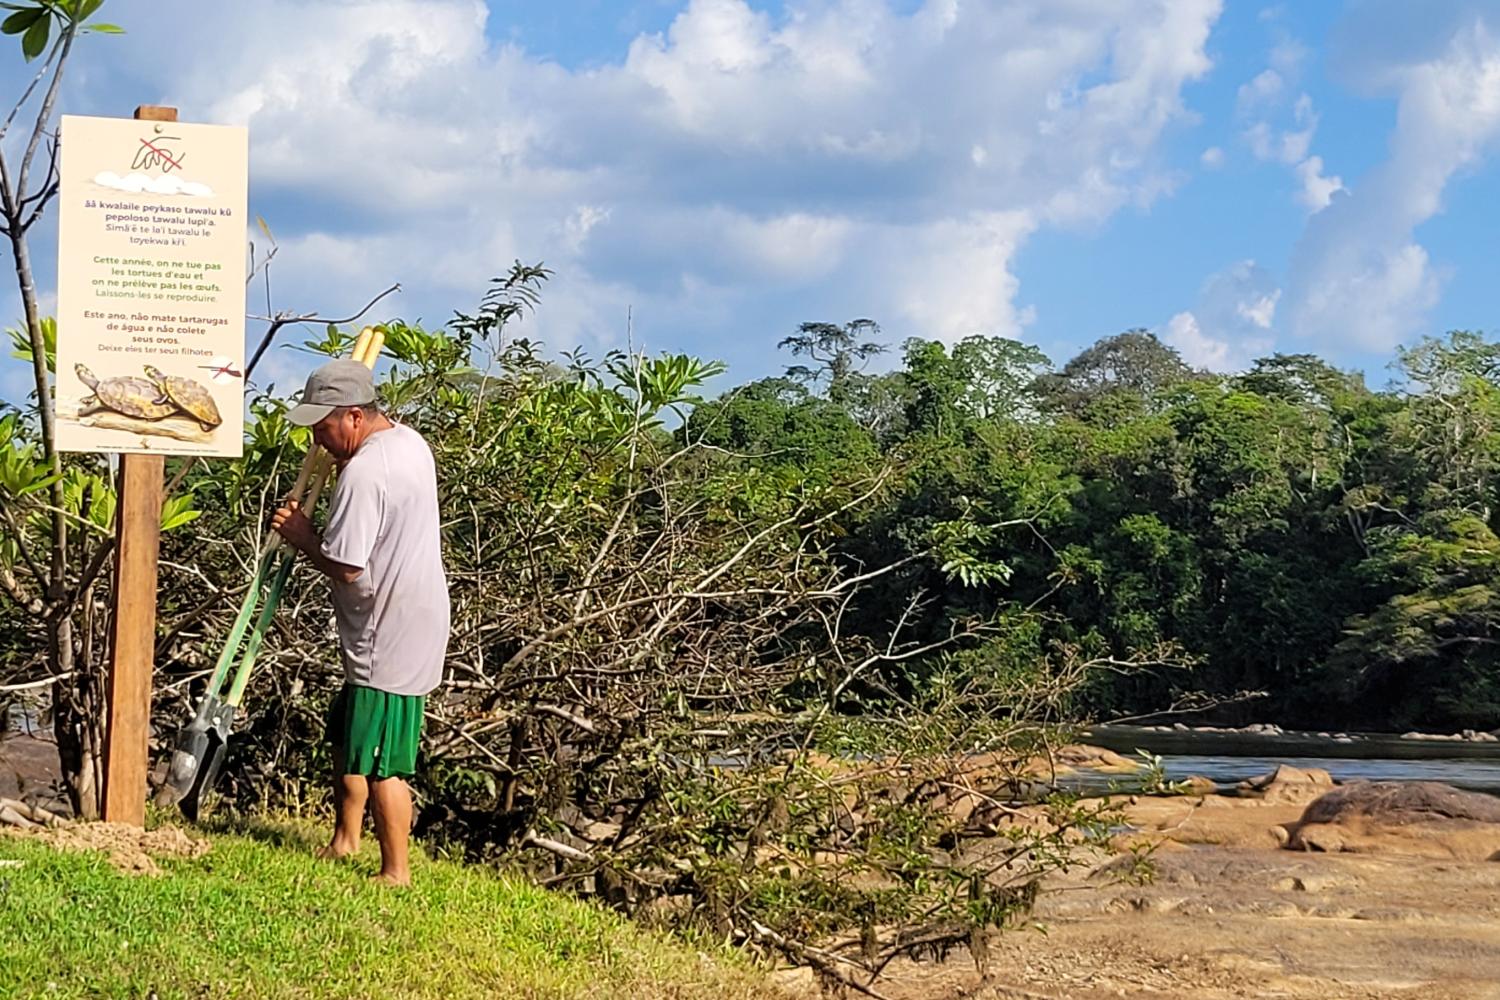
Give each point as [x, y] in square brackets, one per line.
[78, 709]
[77, 702]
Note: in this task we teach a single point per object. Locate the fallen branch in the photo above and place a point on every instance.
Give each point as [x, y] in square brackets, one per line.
[33, 685]
[35, 815]
[825, 962]
[556, 847]
[12, 817]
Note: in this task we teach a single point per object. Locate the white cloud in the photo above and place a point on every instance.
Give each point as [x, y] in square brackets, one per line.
[1260, 140]
[1288, 55]
[580, 223]
[1317, 190]
[1275, 136]
[1295, 144]
[1261, 92]
[955, 279]
[1260, 311]
[1212, 158]
[1231, 324]
[1357, 274]
[1196, 349]
[795, 247]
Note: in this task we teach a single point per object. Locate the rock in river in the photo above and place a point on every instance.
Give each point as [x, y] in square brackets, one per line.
[1414, 818]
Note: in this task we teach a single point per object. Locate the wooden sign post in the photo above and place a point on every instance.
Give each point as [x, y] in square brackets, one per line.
[132, 646]
[132, 638]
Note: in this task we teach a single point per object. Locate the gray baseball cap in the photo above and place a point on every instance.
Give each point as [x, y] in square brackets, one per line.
[344, 382]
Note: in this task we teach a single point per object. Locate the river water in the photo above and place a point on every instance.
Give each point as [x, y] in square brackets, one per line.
[1229, 757]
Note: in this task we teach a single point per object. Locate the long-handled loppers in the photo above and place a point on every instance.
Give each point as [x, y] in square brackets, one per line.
[202, 743]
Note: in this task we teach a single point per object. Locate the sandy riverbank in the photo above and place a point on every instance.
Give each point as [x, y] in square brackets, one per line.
[1227, 913]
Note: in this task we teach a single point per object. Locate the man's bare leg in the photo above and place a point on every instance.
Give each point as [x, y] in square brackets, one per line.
[350, 792]
[392, 800]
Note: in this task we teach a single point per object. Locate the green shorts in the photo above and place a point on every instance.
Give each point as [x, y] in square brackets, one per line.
[375, 733]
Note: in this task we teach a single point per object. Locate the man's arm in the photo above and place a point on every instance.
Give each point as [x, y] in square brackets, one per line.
[293, 525]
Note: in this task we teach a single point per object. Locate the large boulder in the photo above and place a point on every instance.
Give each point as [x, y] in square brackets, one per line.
[1083, 757]
[1288, 785]
[1219, 820]
[1415, 818]
[1063, 760]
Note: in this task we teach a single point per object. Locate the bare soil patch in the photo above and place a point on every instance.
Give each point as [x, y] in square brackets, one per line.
[130, 849]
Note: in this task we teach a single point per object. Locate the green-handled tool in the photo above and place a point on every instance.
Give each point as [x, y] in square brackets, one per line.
[202, 743]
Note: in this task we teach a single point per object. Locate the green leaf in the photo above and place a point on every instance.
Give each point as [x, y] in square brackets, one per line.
[21, 20]
[87, 10]
[34, 42]
[105, 29]
[179, 519]
[178, 511]
[39, 485]
[22, 341]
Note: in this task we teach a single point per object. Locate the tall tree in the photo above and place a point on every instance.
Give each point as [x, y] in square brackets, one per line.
[838, 353]
[1133, 364]
[999, 376]
[1452, 424]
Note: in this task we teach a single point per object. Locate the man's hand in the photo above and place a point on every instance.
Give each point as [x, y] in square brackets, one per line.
[290, 523]
[293, 525]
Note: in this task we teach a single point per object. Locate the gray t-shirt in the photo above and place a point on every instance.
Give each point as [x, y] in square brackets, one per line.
[393, 619]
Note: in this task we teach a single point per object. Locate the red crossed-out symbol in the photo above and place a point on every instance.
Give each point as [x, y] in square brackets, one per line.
[225, 369]
[164, 154]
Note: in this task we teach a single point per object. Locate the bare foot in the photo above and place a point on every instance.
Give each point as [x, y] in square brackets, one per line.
[389, 878]
[335, 851]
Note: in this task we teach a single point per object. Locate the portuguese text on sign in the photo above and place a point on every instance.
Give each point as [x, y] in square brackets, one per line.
[151, 287]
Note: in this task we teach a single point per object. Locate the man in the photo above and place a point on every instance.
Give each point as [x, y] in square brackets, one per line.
[381, 549]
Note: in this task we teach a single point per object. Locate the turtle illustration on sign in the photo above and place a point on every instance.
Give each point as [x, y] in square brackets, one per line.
[128, 394]
[188, 396]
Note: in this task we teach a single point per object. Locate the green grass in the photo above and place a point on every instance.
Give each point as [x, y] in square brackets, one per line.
[258, 916]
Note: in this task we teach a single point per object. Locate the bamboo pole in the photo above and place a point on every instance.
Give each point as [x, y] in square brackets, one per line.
[311, 478]
[367, 350]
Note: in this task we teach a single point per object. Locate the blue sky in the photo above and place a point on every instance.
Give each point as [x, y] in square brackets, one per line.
[1240, 176]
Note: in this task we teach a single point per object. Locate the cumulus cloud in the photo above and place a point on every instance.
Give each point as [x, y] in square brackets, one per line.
[1288, 55]
[1212, 158]
[579, 223]
[1317, 190]
[1232, 321]
[1197, 349]
[956, 278]
[1296, 142]
[1357, 273]
[1260, 93]
[1282, 132]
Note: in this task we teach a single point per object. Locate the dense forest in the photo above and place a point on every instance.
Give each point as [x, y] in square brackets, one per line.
[1288, 544]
